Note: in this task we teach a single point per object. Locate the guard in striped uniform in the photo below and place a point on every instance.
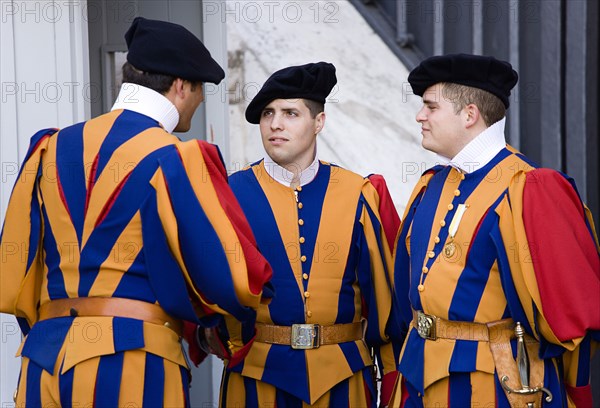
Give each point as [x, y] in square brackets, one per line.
[116, 232]
[323, 230]
[496, 265]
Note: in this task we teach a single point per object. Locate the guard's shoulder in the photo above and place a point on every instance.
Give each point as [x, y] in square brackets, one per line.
[243, 175]
[344, 175]
[40, 140]
[248, 168]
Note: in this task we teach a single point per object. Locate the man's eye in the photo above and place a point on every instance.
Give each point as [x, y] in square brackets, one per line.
[267, 113]
[292, 113]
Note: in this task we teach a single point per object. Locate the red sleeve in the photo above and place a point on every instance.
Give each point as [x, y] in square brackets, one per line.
[564, 254]
[388, 384]
[387, 211]
[581, 396]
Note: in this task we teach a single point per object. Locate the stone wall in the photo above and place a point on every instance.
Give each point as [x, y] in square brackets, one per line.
[370, 126]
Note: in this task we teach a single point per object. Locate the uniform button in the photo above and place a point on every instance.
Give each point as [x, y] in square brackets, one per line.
[301, 221]
[300, 205]
[299, 188]
[450, 207]
[307, 294]
[305, 275]
[425, 269]
[462, 176]
[303, 258]
[308, 313]
[457, 192]
[443, 223]
[436, 240]
[302, 240]
[421, 288]
[431, 254]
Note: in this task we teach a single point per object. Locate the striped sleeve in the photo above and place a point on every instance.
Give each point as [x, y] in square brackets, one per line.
[378, 295]
[557, 264]
[563, 253]
[378, 298]
[556, 268]
[20, 241]
[207, 234]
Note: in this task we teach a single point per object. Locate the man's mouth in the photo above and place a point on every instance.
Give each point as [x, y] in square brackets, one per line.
[277, 140]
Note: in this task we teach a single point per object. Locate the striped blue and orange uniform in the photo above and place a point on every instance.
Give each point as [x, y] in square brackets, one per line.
[116, 207]
[525, 249]
[331, 265]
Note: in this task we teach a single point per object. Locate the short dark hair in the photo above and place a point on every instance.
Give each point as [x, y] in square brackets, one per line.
[491, 107]
[314, 107]
[158, 82]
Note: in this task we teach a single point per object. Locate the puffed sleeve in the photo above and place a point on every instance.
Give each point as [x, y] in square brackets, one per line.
[380, 222]
[196, 215]
[21, 264]
[555, 268]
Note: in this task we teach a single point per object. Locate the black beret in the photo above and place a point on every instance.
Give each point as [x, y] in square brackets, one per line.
[161, 47]
[311, 81]
[487, 73]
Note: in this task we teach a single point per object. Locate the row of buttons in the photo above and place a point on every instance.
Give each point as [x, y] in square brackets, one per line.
[436, 240]
[302, 240]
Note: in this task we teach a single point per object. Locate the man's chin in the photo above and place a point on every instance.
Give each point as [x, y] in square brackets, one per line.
[429, 146]
[274, 154]
[182, 128]
[278, 158]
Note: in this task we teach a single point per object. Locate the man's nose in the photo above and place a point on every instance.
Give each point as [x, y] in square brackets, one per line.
[276, 122]
[421, 115]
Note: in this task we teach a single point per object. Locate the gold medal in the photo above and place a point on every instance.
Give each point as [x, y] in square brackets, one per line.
[449, 249]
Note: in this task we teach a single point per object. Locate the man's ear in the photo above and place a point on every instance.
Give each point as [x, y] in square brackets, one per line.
[178, 86]
[472, 115]
[175, 92]
[320, 122]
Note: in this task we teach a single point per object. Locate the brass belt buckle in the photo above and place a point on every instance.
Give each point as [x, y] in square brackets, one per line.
[426, 326]
[305, 336]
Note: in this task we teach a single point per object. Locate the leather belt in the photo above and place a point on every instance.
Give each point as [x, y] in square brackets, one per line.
[308, 336]
[112, 307]
[431, 327]
[522, 380]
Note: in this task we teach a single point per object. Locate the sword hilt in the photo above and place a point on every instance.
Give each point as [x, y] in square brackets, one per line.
[522, 357]
[527, 391]
[523, 367]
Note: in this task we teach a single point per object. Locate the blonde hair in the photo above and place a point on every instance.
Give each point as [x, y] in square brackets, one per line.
[490, 106]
